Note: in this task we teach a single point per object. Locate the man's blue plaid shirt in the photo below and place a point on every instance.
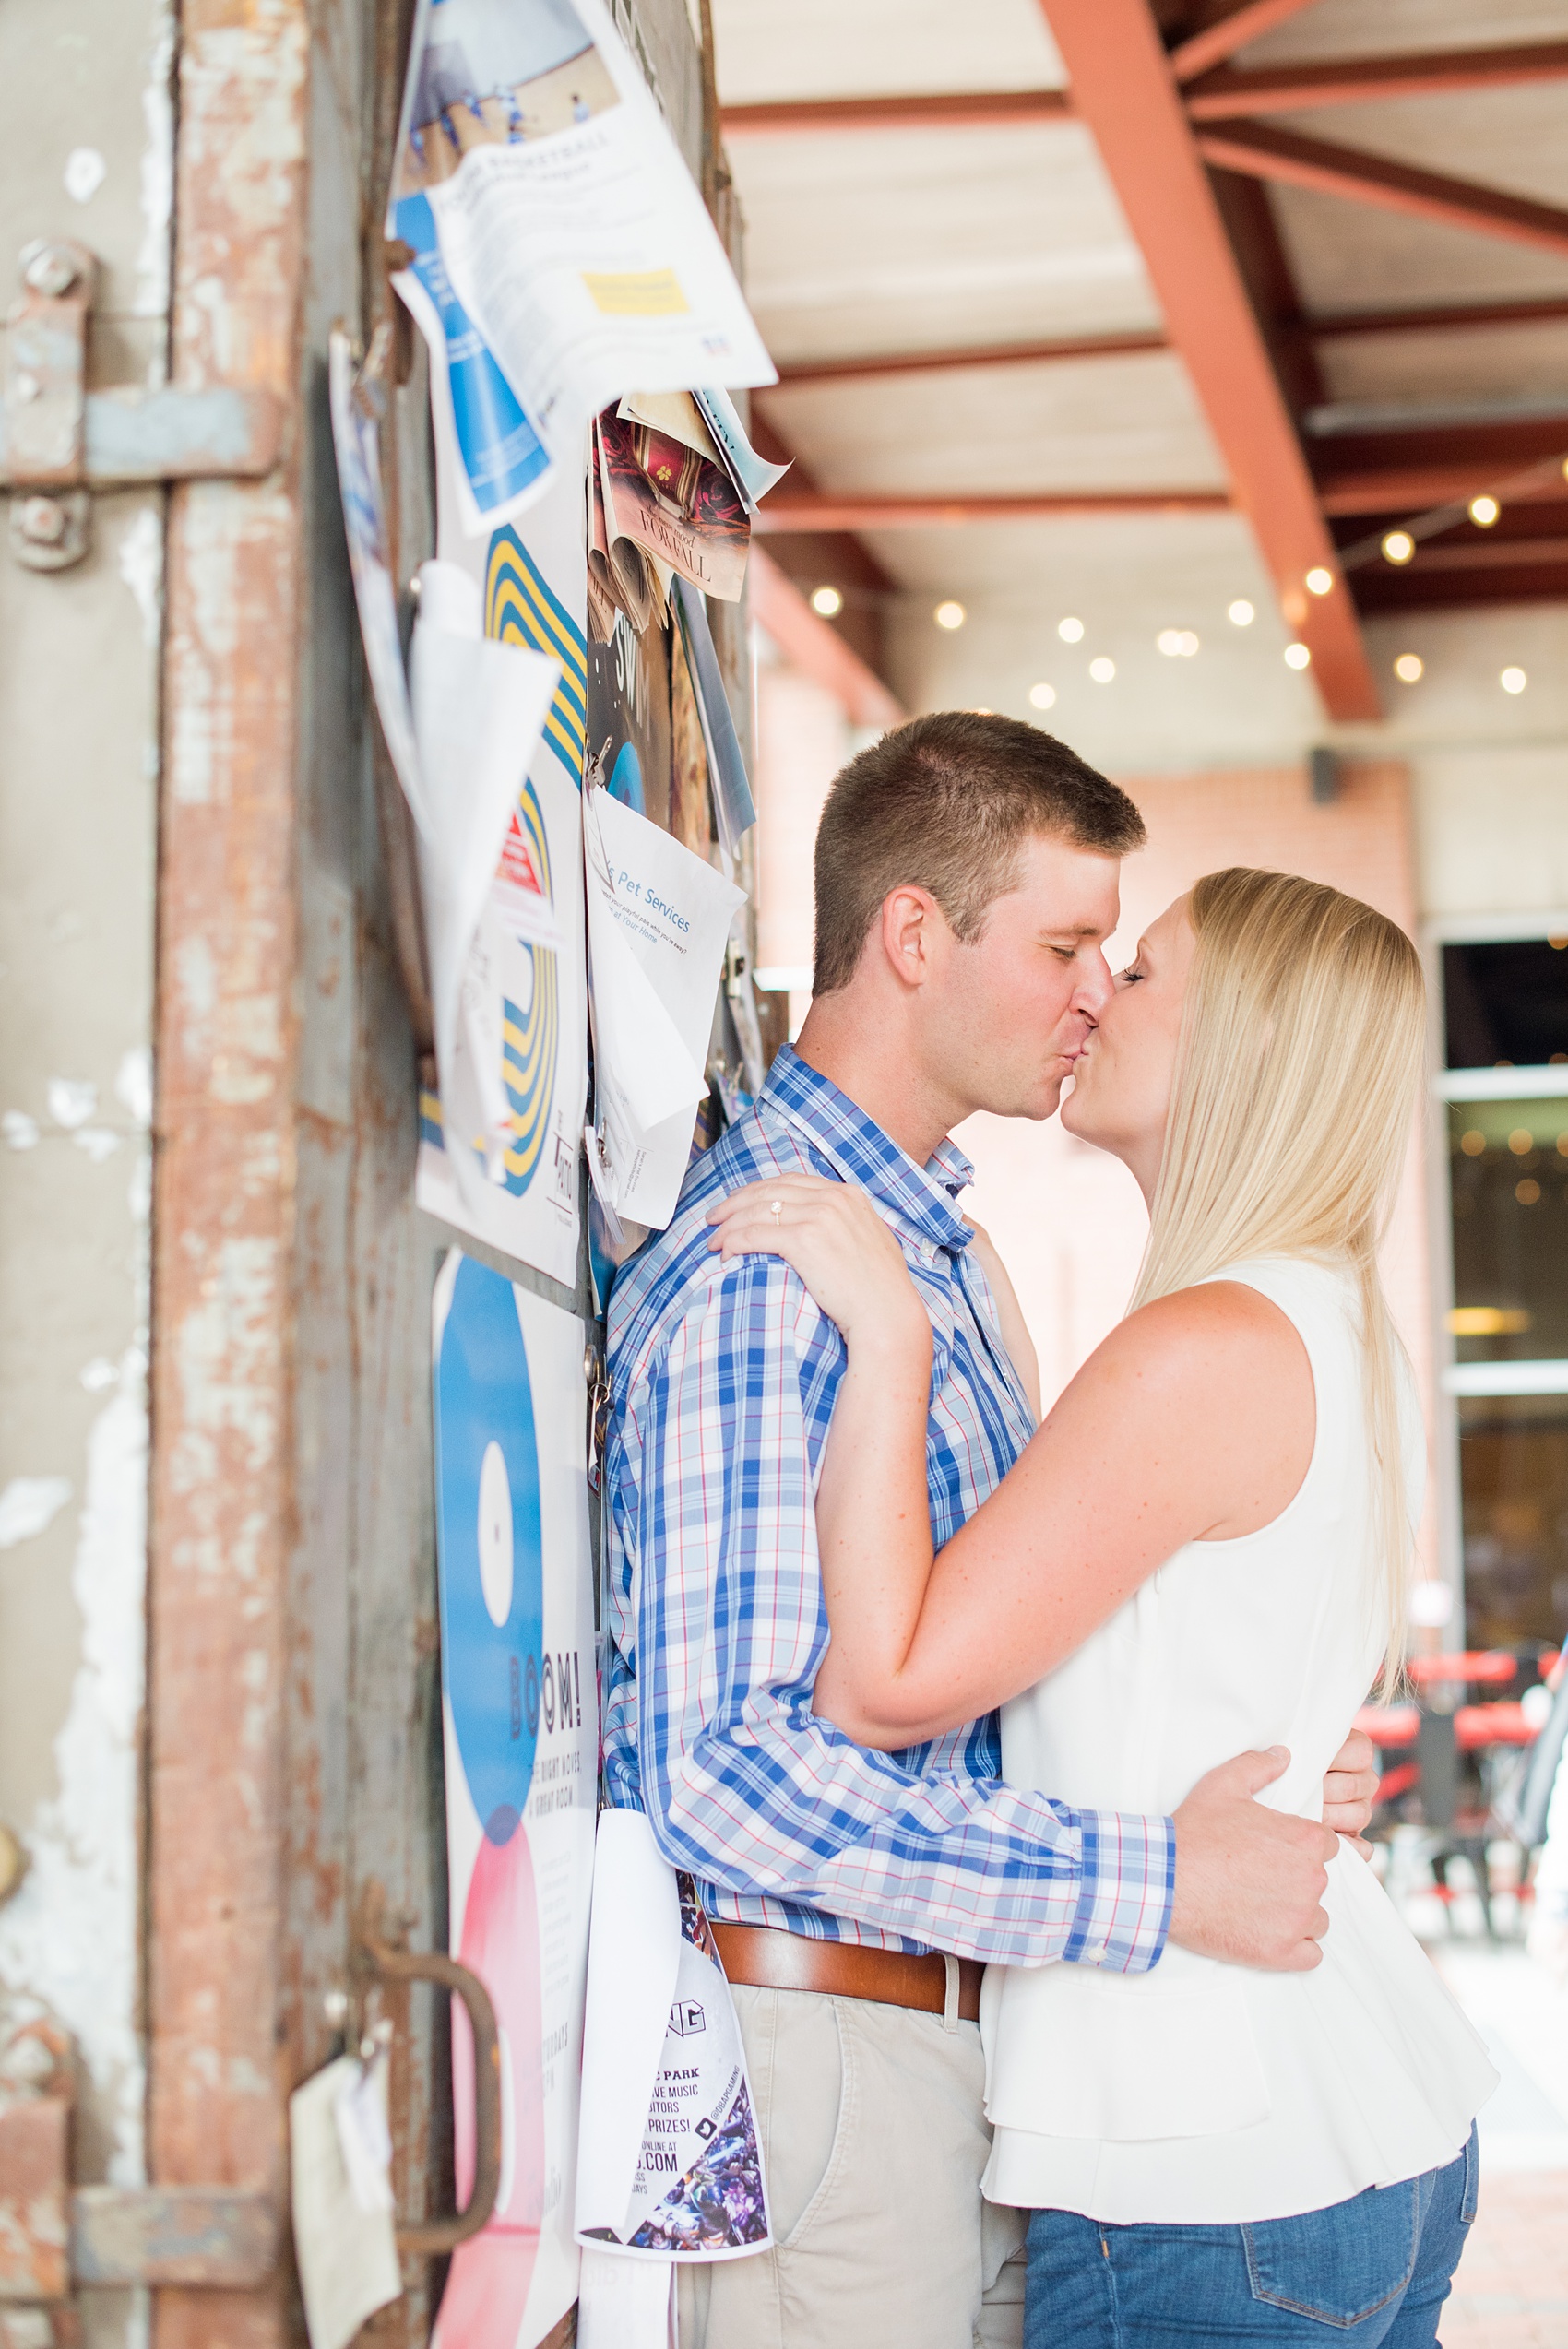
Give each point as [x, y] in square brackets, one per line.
[724, 1379]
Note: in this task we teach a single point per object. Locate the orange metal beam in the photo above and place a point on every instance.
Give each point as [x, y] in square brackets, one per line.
[1220, 96]
[1122, 82]
[954, 110]
[1217, 41]
[1003, 354]
[1373, 179]
[825, 510]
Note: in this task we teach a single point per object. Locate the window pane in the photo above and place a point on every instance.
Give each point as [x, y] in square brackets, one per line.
[1513, 1473]
[1506, 1001]
[1509, 1167]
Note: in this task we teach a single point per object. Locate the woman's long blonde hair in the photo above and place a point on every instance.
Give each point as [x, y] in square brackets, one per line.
[1300, 1058]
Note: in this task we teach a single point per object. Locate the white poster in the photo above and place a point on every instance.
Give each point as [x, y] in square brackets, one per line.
[658, 923]
[520, 1715]
[529, 585]
[573, 236]
[670, 2166]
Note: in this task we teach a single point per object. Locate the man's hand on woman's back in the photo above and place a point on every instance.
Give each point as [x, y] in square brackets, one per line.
[1249, 1882]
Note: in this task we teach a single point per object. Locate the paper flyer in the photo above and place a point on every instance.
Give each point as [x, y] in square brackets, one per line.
[627, 2304]
[345, 2243]
[628, 707]
[528, 585]
[681, 509]
[521, 1733]
[733, 807]
[479, 709]
[503, 464]
[572, 235]
[356, 444]
[751, 474]
[668, 2162]
[657, 923]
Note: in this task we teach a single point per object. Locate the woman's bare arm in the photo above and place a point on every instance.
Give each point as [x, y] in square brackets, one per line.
[1194, 1418]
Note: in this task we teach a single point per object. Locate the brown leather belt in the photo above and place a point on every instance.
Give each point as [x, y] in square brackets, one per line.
[767, 1959]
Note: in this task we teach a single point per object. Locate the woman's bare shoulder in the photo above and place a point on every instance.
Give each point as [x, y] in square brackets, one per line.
[1215, 1340]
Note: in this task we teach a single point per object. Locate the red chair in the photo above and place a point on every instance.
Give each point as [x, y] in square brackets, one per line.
[1432, 1740]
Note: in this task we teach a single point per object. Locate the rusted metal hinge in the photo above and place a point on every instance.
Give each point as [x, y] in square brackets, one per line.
[56, 2239]
[214, 2238]
[61, 441]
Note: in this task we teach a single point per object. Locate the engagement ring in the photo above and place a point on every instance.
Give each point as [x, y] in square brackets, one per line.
[776, 1209]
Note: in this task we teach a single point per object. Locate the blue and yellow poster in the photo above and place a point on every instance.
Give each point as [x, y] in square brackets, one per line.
[533, 580]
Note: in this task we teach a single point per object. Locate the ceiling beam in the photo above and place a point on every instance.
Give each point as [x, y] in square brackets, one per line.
[1445, 317]
[1002, 354]
[1219, 97]
[1489, 555]
[1246, 207]
[830, 510]
[1121, 79]
[948, 110]
[1375, 179]
[1217, 41]
[1388, 594]
[1415, 486]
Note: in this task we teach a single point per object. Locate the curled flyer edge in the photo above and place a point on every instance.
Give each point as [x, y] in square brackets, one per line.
[356, 444]
[633, 1961]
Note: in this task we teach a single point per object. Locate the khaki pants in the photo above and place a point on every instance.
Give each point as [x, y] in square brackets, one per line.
[874, 2139]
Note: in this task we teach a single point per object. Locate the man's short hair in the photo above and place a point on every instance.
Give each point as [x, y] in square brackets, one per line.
[947, 803]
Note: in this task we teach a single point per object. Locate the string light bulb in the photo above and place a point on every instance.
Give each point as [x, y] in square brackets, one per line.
[1071, 630]
[1319, 580]
[1410, 668]
[1102, 670]
[1297, 657]
[1484, 512]
[1513, 680]
[1398, 546]
[826, 601]
[949, 615]
[1241, 614]
[1042, 696]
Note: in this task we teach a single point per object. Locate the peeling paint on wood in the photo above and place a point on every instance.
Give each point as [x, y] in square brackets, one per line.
[225, 1160]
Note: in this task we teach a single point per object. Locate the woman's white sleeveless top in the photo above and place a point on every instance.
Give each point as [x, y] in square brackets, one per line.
[1202, 2093]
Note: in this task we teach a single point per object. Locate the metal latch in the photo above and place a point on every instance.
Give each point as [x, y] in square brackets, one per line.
[56, 2239]
[61, 441]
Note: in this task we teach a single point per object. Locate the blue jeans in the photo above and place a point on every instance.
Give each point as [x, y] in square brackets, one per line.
[1377, 2269]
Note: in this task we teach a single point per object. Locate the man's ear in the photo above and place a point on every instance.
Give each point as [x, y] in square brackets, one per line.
[913, 934]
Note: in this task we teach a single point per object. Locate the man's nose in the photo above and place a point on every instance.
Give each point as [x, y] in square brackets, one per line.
[1096, 987]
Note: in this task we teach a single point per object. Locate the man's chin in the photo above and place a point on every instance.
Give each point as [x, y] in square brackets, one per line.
[1044, 1102]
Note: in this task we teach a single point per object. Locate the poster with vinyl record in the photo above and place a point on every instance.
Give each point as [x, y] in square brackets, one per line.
[519, 1711]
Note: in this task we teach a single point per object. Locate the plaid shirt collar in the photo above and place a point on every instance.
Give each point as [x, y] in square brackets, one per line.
[925, 1198]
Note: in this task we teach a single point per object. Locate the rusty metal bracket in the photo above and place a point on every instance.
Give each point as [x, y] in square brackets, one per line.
[210, 2237]
[60, 441]
[56, 2239]
[437, 2237]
